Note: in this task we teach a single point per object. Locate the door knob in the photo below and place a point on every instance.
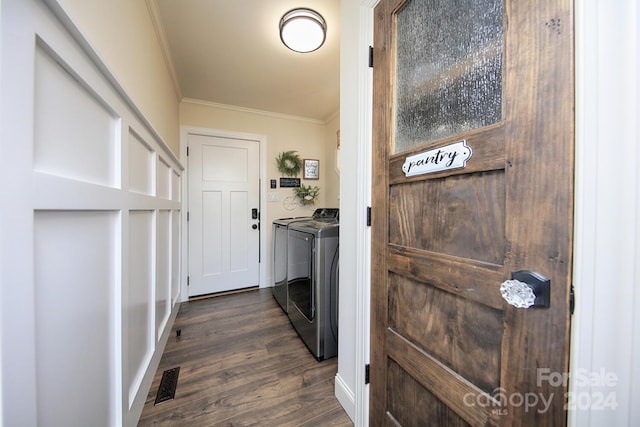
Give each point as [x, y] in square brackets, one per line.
[526, 289]
[254, 226]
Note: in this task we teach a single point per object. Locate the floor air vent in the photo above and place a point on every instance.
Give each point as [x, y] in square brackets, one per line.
[168, 384]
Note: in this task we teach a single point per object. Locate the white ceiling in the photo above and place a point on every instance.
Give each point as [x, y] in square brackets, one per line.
[229, 52]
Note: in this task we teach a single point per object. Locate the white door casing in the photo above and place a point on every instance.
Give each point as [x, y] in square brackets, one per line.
[224, 176]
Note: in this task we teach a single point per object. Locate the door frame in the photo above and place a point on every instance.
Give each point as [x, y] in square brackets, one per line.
[356, 401]
[585, 337]
[185, 131]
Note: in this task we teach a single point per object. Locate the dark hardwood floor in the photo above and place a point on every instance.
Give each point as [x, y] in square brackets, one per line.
[242, 364]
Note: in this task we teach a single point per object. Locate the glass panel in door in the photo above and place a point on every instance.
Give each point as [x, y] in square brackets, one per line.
[448, 71]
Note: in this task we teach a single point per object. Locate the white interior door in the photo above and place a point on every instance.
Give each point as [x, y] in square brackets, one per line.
[224, 236]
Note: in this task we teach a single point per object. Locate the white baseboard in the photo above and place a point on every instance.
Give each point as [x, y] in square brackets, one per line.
[346, 397]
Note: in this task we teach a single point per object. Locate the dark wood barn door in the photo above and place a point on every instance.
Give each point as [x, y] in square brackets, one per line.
[473, 188]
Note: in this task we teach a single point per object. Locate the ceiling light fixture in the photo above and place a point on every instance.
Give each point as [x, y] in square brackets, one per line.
[303, 30]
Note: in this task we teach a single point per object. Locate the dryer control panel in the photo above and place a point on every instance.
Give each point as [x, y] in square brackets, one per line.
[326, 213]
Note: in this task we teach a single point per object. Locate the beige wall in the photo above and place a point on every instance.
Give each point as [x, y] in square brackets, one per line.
[312, 139]
[330, 169]
[122, 34]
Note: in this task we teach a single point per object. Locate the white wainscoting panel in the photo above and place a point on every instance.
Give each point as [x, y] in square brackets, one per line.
[91, 197]
[75, 132]
[163, 270]
[75, 282]
[176, 255]
[141, 165]
[163, 179]
[176, 188]
[137, 301]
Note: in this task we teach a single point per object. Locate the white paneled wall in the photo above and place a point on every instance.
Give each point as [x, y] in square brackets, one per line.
[91, 232]
[141, 161]
[75, 280]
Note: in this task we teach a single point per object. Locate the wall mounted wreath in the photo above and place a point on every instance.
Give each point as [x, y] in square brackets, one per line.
[289, 163]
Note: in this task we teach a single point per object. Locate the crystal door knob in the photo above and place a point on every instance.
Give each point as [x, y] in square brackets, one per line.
[526, 289]
[517, 293]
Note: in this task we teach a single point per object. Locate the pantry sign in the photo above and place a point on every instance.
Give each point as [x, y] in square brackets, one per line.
[452, 156]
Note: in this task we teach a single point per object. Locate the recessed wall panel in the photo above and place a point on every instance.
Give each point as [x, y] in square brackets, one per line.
[175, 186]
[138, 327]
[175, 254]
[75, 133]
[141, 161]
[76, 274]
[163, 269]
[163, 179]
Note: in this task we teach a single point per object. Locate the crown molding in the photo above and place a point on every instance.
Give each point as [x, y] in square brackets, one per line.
[252, 111]
[156, 21]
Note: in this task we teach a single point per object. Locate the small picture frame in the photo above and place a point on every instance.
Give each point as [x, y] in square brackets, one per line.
[311, 169]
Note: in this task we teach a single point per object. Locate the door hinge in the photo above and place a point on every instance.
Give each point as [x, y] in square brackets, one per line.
[368, 216]
[187, 216]
[367, 371]
[370, 56]
[572, 300]
[187, 280]
[187, 151]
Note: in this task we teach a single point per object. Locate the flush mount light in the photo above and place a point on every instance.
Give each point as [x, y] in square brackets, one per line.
[303, 30]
